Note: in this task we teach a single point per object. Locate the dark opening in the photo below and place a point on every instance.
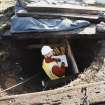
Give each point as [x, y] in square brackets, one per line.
[85, 51]
[30, 59]
[31, 62]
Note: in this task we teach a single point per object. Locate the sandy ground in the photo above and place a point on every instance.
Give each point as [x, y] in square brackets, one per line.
[5, 4]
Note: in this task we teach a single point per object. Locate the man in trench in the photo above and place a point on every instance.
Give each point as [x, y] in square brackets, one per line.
[53, 66]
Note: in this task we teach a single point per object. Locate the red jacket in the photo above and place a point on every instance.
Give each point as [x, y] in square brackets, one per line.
[58, 71]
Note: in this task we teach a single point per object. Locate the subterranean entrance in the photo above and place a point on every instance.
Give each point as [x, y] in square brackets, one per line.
[28, 55]
[31, 60]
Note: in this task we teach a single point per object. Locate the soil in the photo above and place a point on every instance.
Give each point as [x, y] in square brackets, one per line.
[96, 71]
[4, 4]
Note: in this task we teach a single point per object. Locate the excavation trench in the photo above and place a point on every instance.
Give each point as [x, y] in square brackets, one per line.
[24, 60]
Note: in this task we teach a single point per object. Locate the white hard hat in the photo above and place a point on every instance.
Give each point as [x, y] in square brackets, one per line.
[46, 49]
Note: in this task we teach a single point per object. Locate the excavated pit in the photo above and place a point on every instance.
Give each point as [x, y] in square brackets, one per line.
[23, 61]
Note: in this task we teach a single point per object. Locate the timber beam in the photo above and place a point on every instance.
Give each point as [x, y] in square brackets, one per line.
[65, 8]
[42, 15]
[66, 95]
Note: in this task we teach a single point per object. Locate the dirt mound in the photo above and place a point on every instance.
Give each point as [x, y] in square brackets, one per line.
[96, 71]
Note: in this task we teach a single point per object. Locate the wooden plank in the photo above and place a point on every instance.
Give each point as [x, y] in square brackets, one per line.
[90, 30]
[67, 94]
[88, 33]
[66, 8]
[92, 18]
[71, 57]
[83, 33]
